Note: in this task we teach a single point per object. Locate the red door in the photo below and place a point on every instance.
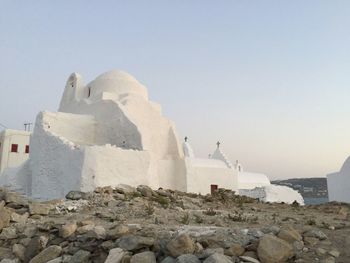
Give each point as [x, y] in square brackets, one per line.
[213, 188]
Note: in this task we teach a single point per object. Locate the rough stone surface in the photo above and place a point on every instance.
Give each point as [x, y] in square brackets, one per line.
[39, 208]
[115, 255]
[132, 242]
[187, 258]
[19, 250]
[182, 244]
[144, 257]
[80, 256]
[4, 217]
[8, 233]
[235, 250]
[274, 250]
[290, 235]
[68, 229]
[47, 254]
[218, 258]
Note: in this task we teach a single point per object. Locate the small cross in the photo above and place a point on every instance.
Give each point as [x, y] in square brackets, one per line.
[186, 139]
[218, 144]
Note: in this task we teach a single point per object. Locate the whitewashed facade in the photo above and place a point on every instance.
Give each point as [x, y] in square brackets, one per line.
[339, 184]
[14, 148]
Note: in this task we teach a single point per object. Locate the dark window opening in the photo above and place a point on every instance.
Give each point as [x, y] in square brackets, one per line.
[213, 188]
[89, 92]
[27, 149]
[14, 148]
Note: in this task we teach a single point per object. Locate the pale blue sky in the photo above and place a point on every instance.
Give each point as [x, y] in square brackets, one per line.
[270, 79]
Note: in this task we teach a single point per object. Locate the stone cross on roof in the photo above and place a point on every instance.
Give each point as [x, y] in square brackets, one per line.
[218, 144]
[186, 139]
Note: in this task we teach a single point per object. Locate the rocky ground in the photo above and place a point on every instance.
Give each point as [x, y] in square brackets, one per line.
[141, 225]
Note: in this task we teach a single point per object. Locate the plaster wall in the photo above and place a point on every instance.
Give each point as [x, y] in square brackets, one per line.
[13, 159]
[339, 184]
[56, 163]
[79, 129]
[172, 174]
[199, 178]
[274, 193]
[110, 165]
[248, 180]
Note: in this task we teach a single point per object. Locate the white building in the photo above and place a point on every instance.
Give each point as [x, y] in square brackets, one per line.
[339, 184]
[14, 148]
[108, 132]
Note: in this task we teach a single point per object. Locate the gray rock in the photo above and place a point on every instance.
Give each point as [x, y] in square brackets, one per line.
[47, 254]
[334, 253]
[272, 229]
[35, 245]
[210, 251]
[76, 195]
[218, 258]
[316, 233]
[328, 260]
[274, 250]
[125, 189]
[17, 218]
[5, 253]
[118, 231]
[84, 229]
[132, 242]
[290, 235]
[168, 260]
[18, 250]
[80, 256]
[115, 255]
[187, 258]
[144, 257]
[68, 230]
[8, 233]
[182, 244]
[6, 260]
[16, 199]
[249, 259]
[39, 208]
[4, 216]
[56, 260]
[145, 190]
[234, 250]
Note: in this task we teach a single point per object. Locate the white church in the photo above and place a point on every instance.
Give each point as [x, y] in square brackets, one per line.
[108, 132]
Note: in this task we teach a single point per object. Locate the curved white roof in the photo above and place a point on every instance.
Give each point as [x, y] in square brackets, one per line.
[119, 83]
[346, 165]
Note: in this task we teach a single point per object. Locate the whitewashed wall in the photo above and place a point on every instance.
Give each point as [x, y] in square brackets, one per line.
[339, 184]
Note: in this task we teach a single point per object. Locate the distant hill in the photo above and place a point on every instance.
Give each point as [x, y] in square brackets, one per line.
[307, 187]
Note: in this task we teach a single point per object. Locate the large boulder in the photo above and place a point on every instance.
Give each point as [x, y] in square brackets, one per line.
[47, 254]
[132, 242]
[272, 249]
[290, 235]
[144, 257]
[145, 190]
[115, 255]
[5, 216]
[182, 244]
[218, 258]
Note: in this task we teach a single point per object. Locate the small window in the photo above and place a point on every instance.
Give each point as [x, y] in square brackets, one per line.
[14, 148]
[27, 149]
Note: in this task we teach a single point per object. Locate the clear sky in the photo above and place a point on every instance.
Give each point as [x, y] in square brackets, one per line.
[269, 79]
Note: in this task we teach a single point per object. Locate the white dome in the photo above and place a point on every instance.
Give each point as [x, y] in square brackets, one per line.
[119, 83]
[346, 165]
